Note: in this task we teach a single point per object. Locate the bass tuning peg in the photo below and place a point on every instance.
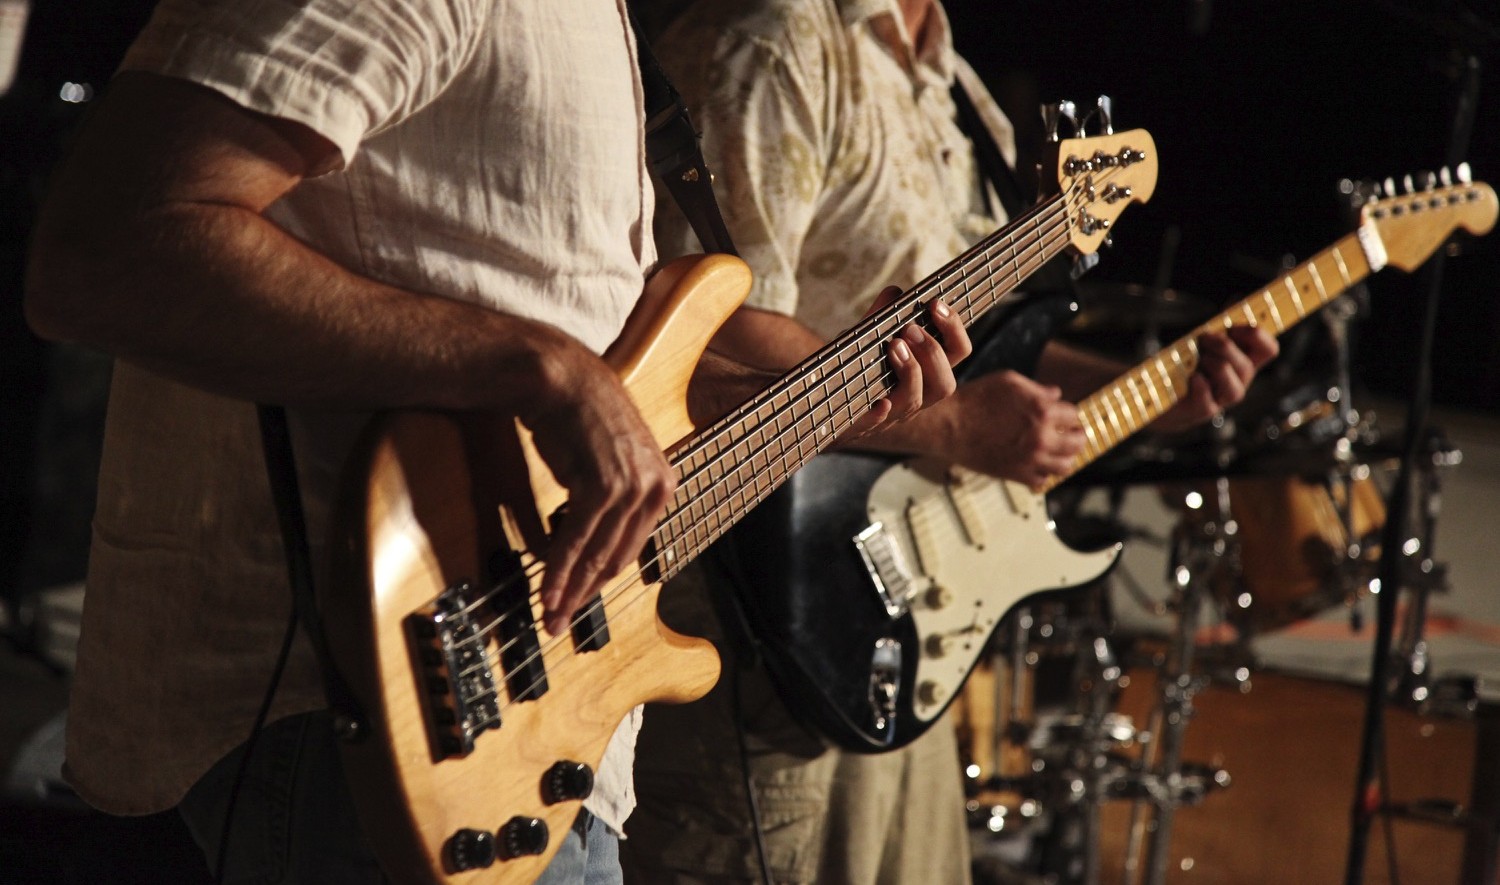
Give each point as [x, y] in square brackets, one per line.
[1054, 113]
[1104, 108]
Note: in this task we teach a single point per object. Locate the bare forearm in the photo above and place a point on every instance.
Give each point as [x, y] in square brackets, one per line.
[218, 297]
[153, 247]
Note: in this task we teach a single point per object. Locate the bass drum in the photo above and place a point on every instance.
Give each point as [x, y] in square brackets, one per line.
[1294, 550]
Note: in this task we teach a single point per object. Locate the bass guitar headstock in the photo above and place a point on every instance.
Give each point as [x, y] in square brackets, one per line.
[1098, 175]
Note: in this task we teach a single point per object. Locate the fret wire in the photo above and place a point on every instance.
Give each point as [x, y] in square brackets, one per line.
[1338, 258]
[1317, 282]
[1127, 419]
[1270, 301]
[738, 440]
[1135, 391]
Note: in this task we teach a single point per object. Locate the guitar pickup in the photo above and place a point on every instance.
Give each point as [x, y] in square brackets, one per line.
[887, 567]
[520, 645]
[590, 628]
[451, 655]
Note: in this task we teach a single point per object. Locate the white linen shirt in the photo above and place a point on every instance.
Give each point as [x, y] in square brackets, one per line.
[489, 151]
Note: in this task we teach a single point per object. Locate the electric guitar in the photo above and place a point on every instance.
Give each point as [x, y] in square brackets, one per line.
[893, 574]
[477, 735]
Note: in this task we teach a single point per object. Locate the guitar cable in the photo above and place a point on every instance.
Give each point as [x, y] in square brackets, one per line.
[226, 827]
[723, 558]
[286, 495]
[281, 470]
[748, 781]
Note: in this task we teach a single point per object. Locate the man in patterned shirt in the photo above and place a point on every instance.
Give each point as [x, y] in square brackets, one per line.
[839, 166]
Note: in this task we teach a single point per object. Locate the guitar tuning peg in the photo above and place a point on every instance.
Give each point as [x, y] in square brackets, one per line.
[1105, 109]
[1390, 187]
[1429, 181]
[1464, 174]
[1407, 185]
[1054, 113]
[1445, 176]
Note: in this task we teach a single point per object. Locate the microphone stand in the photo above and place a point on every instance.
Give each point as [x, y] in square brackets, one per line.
[1368, 788]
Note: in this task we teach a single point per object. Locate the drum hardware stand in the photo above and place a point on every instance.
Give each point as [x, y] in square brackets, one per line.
[1467, 44]
[1076, 763]
[1421, 576]
[1160, 781]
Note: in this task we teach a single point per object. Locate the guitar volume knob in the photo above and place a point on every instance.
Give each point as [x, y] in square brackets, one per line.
[937, 646]
[566, 781]
[471, 850]
[937, 596]
[522, 836]
[931, 693]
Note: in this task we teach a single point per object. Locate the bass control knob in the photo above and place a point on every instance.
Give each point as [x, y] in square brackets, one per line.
[567, 780]
[471, 849]
[522, 836]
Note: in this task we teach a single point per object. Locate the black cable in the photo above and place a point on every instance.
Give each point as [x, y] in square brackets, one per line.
[751, 804]
[1388, 825]
[250, 742]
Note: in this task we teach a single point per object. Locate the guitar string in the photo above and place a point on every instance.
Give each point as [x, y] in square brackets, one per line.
[1010, 244]
[598, 602]
[545, 650]
[1259, 318]
[1047, 238]
[1028, 263]
[1000, 247]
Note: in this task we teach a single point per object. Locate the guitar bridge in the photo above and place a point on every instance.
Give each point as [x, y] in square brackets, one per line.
[453, 664]
[887, 567]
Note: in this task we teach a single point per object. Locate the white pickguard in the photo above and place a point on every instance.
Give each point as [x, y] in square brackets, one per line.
[973, 546]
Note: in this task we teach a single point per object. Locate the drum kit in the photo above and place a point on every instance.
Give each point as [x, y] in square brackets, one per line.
[1277, 512]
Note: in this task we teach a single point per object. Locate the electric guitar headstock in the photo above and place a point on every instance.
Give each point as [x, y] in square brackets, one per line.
[1412, 221]
[1098, 175]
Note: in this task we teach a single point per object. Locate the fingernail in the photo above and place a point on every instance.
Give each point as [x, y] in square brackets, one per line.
[914, 334]
[941, 309]
[900, 352]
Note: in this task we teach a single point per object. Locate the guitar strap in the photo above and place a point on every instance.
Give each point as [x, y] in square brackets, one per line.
[996, 339]
[673, 152]
[987, 154]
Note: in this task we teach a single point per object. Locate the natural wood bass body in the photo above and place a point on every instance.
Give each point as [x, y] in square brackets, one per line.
[441, 494]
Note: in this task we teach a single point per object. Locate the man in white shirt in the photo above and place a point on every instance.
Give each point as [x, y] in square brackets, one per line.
[342, 206]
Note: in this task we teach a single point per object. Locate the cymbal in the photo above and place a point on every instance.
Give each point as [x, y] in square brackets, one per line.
[1131, 307]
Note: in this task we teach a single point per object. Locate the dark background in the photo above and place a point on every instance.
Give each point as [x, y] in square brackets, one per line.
[1258, 109]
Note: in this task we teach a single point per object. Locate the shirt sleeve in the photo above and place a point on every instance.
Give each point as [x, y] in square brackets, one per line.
[761, 120]
[344, 68]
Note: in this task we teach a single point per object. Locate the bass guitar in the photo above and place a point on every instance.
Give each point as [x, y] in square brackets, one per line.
[891, 574]
[477, 735]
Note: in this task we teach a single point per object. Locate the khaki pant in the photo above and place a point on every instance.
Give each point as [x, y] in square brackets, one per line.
[828, 817]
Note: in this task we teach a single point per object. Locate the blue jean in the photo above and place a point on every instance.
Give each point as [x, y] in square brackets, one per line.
[294, 821]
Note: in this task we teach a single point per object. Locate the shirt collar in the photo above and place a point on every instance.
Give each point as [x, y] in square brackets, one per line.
[933, 59]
